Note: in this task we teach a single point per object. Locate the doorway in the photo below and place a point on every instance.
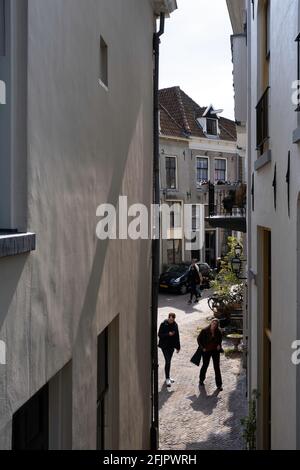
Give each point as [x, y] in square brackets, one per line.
[210, 248]
[108, 388]
[31, 423]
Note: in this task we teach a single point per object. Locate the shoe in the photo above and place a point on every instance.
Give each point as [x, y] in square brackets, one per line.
[196, 301]
[169, 383]
[201, 384]
[220, 389]
[172, 381]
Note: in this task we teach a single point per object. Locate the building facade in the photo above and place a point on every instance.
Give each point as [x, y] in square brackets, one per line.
[197, 146]
[75, 366]
[266, 50]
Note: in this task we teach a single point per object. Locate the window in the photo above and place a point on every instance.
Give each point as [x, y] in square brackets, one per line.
[202, 170]
[44, 422]
[175, 214]
[171, 172]
[220, 170]
[103, 63]
[211, 126]
[195, 218]
[13, 122]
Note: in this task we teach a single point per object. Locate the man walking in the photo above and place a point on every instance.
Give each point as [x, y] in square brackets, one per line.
[195, 278]
[169, 340]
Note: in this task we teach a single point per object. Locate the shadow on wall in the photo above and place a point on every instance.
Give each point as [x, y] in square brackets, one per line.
[11, 269]
[87, 322]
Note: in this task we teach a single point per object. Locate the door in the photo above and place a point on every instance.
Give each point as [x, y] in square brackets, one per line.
[102, 388]
[210, 248]
[174, 251]
[265, 340]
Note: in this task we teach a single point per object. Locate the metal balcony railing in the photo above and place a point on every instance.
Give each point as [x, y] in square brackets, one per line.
[262, 121]
[227, 201]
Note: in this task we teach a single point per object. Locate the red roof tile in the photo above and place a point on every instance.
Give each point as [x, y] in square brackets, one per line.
[179, 115]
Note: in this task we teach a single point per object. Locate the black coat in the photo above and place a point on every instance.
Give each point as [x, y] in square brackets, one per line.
[166, 341]
[205, 339]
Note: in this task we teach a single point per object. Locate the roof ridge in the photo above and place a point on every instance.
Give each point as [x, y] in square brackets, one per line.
[169, 88]
[186, 125]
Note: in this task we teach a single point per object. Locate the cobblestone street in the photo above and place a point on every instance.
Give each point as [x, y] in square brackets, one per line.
[193, 418]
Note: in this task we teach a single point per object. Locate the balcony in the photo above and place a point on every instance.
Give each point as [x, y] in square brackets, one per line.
[227, 207]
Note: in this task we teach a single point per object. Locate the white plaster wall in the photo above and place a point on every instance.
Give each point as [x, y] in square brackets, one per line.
[86, 146]
[283, 120]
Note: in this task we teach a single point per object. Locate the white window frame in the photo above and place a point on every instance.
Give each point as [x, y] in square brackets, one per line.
[198, 157]
[197, 228]
[217, 126]
[172, 202]
[226, 172]
[176, 172]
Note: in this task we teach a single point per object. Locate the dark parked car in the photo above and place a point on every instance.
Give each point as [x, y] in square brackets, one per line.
[176, 278]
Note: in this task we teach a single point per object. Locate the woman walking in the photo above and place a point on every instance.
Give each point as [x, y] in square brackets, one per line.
[210, 342]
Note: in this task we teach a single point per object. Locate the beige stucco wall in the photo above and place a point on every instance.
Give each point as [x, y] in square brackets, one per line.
[186, 153]
[86, 146]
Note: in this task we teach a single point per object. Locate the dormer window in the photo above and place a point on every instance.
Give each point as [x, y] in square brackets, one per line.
[211, 126]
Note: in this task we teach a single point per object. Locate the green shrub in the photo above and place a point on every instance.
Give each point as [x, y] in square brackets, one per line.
[226, 278]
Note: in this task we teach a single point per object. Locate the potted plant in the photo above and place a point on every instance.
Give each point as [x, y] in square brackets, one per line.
[236, 339]
[228, 288]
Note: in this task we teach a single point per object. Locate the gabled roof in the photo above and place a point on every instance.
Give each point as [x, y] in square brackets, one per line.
[179, 114]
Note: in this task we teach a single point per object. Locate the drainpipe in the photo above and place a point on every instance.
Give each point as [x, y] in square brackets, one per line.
[249, 196]
[156, 242]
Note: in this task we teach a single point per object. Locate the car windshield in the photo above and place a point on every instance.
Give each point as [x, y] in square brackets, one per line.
[177, 268]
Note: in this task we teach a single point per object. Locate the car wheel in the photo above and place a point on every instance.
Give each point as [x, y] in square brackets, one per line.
[183, 289]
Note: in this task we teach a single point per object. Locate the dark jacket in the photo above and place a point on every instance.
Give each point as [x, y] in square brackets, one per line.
[166, 341]
[207, 341]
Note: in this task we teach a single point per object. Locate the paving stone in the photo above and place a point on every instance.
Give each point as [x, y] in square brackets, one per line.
[193, 418]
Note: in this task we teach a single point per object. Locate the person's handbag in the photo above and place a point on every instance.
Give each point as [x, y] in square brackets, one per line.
[196, 359]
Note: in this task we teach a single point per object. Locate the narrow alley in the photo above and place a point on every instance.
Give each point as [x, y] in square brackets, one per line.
[190, 418]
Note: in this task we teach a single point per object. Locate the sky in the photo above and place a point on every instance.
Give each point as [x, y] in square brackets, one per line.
[196, 53]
